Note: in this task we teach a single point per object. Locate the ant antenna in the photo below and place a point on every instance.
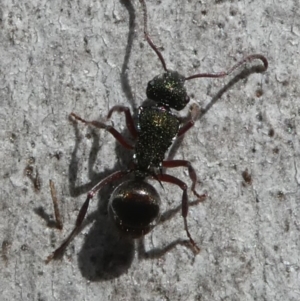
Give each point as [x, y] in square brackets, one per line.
[147, 37]
[209, 75]
[225, 73]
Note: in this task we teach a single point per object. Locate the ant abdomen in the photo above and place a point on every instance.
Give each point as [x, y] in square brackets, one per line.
[135, 207]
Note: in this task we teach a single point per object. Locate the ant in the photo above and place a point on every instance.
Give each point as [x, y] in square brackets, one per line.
[134, 205]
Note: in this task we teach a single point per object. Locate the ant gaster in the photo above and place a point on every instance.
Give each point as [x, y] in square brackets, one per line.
[135, 204]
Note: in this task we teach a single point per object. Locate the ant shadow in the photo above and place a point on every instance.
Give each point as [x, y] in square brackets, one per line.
[105, 253]
[126, 87]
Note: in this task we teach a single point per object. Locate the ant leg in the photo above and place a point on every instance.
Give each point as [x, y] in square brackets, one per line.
[225, 73]
[192, 174]
[186, 127]
[82, 212]
[195, 113]
[184, 204]
[108, 128]
[129, 120]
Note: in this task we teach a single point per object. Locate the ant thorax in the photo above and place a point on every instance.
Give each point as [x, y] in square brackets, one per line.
[157, 127]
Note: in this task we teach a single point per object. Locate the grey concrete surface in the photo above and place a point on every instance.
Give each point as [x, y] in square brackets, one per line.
[59, 57]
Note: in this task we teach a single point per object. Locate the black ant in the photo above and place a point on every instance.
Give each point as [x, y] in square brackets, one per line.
[135, 204]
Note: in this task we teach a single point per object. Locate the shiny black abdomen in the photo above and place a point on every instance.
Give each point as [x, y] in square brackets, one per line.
[134, 206]
[157, 127]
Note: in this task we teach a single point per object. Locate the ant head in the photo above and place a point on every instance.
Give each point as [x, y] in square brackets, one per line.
[134, 206]
[168, 89]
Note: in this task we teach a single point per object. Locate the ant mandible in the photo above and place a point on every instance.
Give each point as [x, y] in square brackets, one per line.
[135, 204]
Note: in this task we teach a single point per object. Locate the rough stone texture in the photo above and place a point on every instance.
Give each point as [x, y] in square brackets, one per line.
[86, 56]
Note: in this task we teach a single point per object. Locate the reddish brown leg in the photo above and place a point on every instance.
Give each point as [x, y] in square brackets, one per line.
[129, 120]
[195, 112]
[82, 213]
[192, 174]
[185, 128]
[184, 202]
[108, 128]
